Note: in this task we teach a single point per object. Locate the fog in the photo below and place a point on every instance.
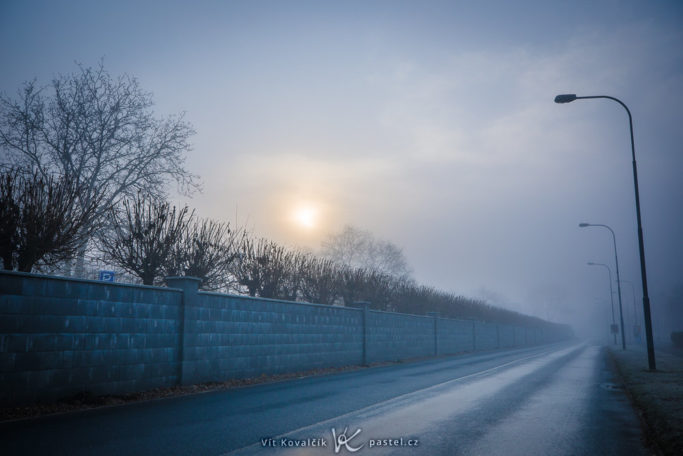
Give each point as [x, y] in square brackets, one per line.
[430, 124]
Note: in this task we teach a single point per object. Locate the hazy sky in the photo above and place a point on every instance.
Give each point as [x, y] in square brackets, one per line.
[429, 123]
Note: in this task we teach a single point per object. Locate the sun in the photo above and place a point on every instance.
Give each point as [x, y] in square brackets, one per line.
[306, 217]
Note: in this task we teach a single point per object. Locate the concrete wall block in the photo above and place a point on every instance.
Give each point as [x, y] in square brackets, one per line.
[124, 309]
[156, 382]
[68, 324]
[169, 326]
[168, 311]
[17, 343]
[91, 290]
[11, 304]
[32, 324]
[92, 358]
[38, 379]
[138, 341]
[167, 372]
[132, 371]
[60, 379]
[13, 383]
[142, 310]
[13, 323]
[112, 325]
[11, 284]
[131, 356]
[48, 305]
[91, 341]
[106, 309]
[196, 372]
[519, 336]
[7, 362]
[50, 287]
[81, 307]
[30, 361]
[507, 336]
[159, 356]
[155, 311]
[52, 342]
[486, 335]
[95, 324]
[163, 340]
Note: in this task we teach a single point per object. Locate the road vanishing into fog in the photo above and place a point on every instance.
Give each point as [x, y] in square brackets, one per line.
[552, 400]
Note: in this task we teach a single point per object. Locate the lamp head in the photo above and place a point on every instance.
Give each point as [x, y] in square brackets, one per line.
[590, 263]
[565, 98]
[584, 225]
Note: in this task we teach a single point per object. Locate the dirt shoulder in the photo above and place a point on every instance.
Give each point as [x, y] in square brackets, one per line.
[657, 396]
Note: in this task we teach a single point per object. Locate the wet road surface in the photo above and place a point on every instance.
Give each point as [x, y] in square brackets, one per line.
[540, 401]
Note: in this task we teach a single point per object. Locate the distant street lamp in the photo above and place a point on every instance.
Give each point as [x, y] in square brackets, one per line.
[616, 261]
[567, 98]
[611, 297]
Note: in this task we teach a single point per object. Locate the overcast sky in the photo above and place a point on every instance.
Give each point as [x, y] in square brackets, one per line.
[429, 123]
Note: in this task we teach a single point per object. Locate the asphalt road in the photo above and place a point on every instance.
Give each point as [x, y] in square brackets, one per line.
[541, 401]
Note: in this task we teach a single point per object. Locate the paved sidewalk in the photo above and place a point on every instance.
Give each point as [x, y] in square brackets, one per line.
[658, 396]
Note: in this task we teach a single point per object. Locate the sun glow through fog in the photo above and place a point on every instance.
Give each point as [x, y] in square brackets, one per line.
[306, 217]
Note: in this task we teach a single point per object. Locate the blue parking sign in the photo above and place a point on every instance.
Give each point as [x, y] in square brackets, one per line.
[107, 276]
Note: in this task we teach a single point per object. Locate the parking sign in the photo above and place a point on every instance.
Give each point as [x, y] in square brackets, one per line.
[107, 276]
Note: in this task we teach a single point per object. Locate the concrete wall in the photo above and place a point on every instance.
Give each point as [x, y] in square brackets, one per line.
[394, 336]
[455, 336]
[62, 336]
[59, 337]
[237, 337]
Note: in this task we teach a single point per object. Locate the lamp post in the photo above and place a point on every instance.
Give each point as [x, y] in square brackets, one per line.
[611, 296]
[616, 261]
[568, 98]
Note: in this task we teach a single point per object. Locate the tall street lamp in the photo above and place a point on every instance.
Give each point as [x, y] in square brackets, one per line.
[567, 98]
[611, 297]
[616, 261]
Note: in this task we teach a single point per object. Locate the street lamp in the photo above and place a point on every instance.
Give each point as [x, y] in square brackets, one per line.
[611, 296]
[616, 261]
[567, 98]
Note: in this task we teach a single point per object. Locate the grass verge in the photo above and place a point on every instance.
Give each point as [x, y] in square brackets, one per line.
[657, 396]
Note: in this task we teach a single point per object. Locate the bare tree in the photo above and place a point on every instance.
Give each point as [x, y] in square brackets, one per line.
[294, 266]
[351, 283]
[263, 267]
[143, 235]
[205, 250]
[319, 280]
[40, 219]
[360, 249]
[99, 131]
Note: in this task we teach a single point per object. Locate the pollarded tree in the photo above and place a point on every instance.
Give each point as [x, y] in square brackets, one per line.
[41, 222]
[319, 280]
[142, 236]
[262, 267]
[351, 283]
[205, 250]
[98, 131]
